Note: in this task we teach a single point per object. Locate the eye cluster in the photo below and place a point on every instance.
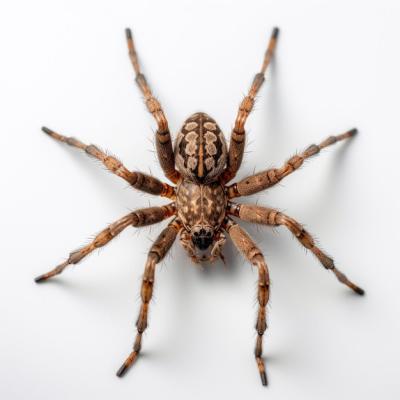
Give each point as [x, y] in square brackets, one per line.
[202, 238]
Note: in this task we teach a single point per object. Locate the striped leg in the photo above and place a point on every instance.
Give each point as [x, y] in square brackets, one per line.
[163, 138]
[250, 251]
[142, 217]
[156, 254]
[265, 179]
[138, 180]
[237, 142]
[269, 216]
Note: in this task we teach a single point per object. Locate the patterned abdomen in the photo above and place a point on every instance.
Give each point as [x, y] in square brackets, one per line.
[200, 149]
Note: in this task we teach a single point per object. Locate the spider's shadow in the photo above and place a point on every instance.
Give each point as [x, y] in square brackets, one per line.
[327, 192]
[93, 292]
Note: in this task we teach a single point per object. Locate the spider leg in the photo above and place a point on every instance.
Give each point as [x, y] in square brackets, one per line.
[163, 138]
[186, 242]
[138, 180]
[219, 243]
[238, 136]
[265, 179]
[157, 252]
[250, 251]
[142, 217]
[269, 216]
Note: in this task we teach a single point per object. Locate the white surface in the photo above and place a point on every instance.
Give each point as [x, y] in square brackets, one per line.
[64, 64]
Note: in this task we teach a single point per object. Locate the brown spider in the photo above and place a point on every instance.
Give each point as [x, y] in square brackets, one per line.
[201, 166]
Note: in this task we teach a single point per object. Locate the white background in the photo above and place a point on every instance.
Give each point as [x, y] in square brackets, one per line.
[64, 64]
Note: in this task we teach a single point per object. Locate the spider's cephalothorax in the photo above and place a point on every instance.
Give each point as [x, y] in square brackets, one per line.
[201, 167]
[201, 209]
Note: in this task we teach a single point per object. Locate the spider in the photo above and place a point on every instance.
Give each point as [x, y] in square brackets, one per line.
[201, 166]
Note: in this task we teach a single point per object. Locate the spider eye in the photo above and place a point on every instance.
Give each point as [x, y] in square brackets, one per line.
[202, 237]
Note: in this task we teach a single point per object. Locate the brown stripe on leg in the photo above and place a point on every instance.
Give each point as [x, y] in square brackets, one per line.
[141, 323]
[238, 136]
[100, 240]
[308, 242]
[265, 179]
[157, 252]
[163, 137]
[270, 216]
[250, 251]
[138, 180]
[138, 218]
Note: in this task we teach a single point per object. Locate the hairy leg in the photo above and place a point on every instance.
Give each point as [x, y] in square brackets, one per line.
[142, 217]
[156, 254]
[163, 137]
[186, 241]
[250, 251]
[237, 142]
[219, 243]
[265, 179]
[269, 216]
[138, 180]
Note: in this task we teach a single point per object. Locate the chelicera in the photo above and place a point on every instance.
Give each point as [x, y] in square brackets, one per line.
[201, 167]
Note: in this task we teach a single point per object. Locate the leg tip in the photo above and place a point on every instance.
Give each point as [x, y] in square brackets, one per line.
[127, 364]
[46, 130]
[40, 278]
[275, 32]
[122, 371]
[128, 33]
[264, 380]
[353, 132]
[359, 291]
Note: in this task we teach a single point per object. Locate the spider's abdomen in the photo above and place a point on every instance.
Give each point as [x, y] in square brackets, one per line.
[200, 206]
[200, 149]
